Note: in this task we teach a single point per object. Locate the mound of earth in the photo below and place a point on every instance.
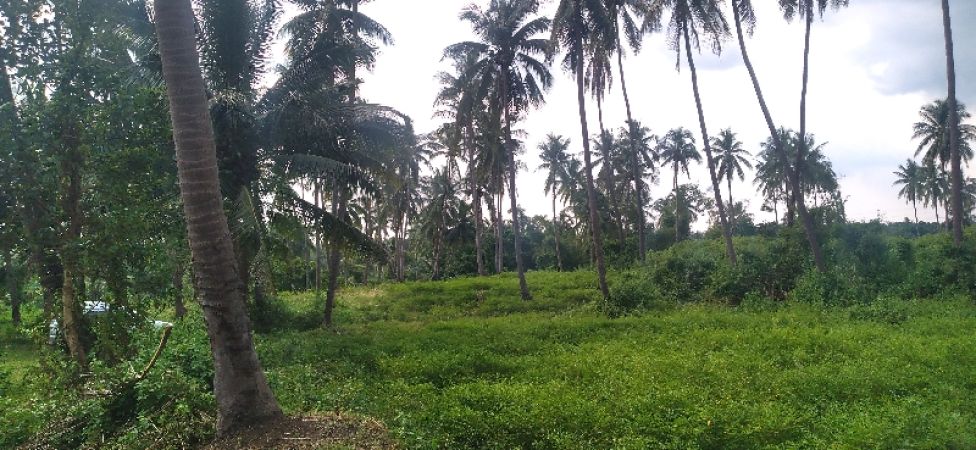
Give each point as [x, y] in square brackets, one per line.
[329, 431]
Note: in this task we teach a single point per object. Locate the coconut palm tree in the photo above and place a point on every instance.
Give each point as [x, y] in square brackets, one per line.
[744, 14]
[911, 182]
[554, 160]
[933, 132]
[954, 135]
[677, 149]
[507, 56]
[240, 387]
[731, 157]
[573, 28]
[690, 21]
[639, 144]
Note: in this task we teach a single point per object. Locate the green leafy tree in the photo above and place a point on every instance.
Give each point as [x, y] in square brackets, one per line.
[555, 161]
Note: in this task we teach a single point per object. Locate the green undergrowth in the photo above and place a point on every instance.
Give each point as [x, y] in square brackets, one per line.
[445, 369]
[465, 363]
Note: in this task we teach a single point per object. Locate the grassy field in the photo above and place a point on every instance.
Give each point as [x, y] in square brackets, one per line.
[466, 364]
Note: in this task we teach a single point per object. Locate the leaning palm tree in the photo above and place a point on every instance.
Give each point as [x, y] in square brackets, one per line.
[677, 149]
[731, 158]
[507, 57]
[554, 161]
[911, 181]
[240, 387]
[805, 9]
[573, 28]
[743, 13]
[690, 20]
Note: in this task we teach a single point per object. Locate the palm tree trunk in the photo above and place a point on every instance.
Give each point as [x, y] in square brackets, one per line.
[731, 203]
[555, 232]
[606, 176]
[915, 207]
[635, 164]
[240, 387]
[801, 207]
[938, 220]
[516, 229]
[70, 165]
[723, 218]
[499, 222]
[790, 175]
[13, 282]
[677, 206]
[954, 153]
[595, 230]
[476, 204]
[317, 192]
[339, 199]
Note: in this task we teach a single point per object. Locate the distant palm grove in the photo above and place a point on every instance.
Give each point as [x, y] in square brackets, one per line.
[159, 154]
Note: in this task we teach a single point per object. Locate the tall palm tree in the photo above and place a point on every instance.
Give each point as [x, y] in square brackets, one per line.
[554, 160]
[639, 145]
[624, 25]
[805, 9]
[507, 55]
[912, 187]
[954, 137]
[572, 29]
[743, 12]
[677, 148]
[731, 158]
[690, 20]
[240, 387]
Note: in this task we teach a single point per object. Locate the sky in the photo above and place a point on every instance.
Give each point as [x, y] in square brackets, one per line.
[872, 66]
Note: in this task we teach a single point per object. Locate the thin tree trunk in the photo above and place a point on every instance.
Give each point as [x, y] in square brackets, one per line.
[339, 200]
[178, 305]
[938, 220]
[240, 387]
[317, 193]
[915, 207]
[513, 198]
[719, 204]
[954, 153]
[555, 231]
[499, 243]
[70, 165]
[677, 206]
[595, 229]
[777, 141]
[801, 148]
[732, 219]
[634, 159]
[476, 203]
[13, 286]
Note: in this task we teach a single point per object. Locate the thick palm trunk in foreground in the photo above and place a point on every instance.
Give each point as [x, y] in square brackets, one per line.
[954, 154]
[240, 387]
[719, 203]
[777, 141]
[595, 230]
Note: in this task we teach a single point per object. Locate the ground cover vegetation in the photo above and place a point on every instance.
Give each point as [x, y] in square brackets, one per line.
[315, 254]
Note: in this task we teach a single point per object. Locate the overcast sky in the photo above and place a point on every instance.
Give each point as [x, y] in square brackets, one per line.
[872, 66]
